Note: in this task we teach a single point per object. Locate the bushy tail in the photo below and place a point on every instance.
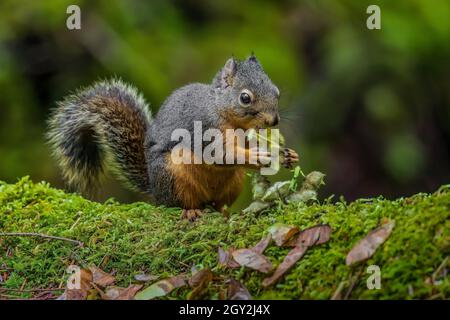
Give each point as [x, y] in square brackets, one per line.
[101, 126]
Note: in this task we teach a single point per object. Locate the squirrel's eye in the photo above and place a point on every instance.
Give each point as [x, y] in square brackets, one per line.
[245, 98]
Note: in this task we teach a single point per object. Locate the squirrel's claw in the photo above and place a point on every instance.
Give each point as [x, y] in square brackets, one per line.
[290, 157]
[191, 214]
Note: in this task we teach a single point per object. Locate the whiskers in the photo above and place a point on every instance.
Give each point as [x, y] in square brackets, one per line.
[288, 115]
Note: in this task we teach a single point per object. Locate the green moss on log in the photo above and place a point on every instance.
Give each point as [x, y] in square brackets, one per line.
[133, 238]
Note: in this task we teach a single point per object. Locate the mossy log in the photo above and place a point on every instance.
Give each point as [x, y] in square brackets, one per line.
[133, 238]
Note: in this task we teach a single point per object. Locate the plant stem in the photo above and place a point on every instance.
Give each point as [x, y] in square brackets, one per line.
[31, 234]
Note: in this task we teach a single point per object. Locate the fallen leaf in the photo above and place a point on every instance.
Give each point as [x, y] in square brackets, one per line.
[366, 247]
[226, 259]
[281, 233]
[142, 277]
[200, 276]
[161, 288]
[313, 236]
[237, 291]
[100, 277]
[252, 260]
[118, 293]
[199, 281]
[291, 258]
[262, 244]
[81, 293]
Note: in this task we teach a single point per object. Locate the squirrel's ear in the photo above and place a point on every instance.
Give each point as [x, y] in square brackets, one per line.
[228, 72]
[253, 59]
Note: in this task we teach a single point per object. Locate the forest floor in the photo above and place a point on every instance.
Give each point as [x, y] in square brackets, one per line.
[134, 239]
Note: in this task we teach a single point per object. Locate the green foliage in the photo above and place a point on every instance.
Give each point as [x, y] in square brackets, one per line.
[134, 238]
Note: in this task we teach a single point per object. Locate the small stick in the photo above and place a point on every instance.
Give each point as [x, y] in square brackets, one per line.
[31, 290]
[440, 269]
[31, 234]
[353, 283]
[75, 223]
[23, 284]
[337, 295]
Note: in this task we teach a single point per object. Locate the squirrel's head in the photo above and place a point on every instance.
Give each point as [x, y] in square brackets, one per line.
[251, 99]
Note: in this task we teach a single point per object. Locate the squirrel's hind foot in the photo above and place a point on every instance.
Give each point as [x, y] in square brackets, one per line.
[191, 214]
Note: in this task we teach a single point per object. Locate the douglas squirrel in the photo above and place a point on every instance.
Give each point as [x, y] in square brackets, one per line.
[108, 125]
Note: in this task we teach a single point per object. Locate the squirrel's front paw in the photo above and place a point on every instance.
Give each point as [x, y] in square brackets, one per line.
[262, 158]
[290, 157]
[191, 214]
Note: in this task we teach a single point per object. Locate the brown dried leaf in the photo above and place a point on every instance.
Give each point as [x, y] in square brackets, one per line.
[281, 233]
[366, 247]
[199, 281]
[200, 276]
[291, 258]
[262, 244]
[226, 259]
[100, 277]
[142, 277]
[85, 286]
[313, 236]
[161, 288]
[237, 291]
[118, 293]
[252, 259]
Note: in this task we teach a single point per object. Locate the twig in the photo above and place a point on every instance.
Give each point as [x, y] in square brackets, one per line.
[32, 290]
[8, 297]
[23, 284]
[441, 271]
[75, 223]
[353, 283]
[337, 295]
[31, 234]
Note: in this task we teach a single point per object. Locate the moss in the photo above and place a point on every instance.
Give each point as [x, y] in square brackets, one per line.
[133, 238]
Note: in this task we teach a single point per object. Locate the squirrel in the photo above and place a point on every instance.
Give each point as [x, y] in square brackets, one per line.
[109, 125]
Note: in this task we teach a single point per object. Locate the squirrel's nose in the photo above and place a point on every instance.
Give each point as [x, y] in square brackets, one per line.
[277, 119]
[273, 121]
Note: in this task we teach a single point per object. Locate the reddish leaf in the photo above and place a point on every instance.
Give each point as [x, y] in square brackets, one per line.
[200, 276]
[142, 277]
[252, 259]
[199, 281]
[262, 244]
[101, 278]
[226, 259]
[82, 292]
[118, 293]
[366, 247]
[313, 236]
[291, 258]
[281, 233]
[237, 291]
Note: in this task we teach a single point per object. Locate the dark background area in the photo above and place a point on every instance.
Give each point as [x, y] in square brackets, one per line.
[370, 108]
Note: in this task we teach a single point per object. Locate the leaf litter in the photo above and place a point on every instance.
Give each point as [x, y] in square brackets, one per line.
[366, 247]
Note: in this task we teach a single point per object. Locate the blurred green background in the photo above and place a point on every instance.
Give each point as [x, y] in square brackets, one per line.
[370, 108]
